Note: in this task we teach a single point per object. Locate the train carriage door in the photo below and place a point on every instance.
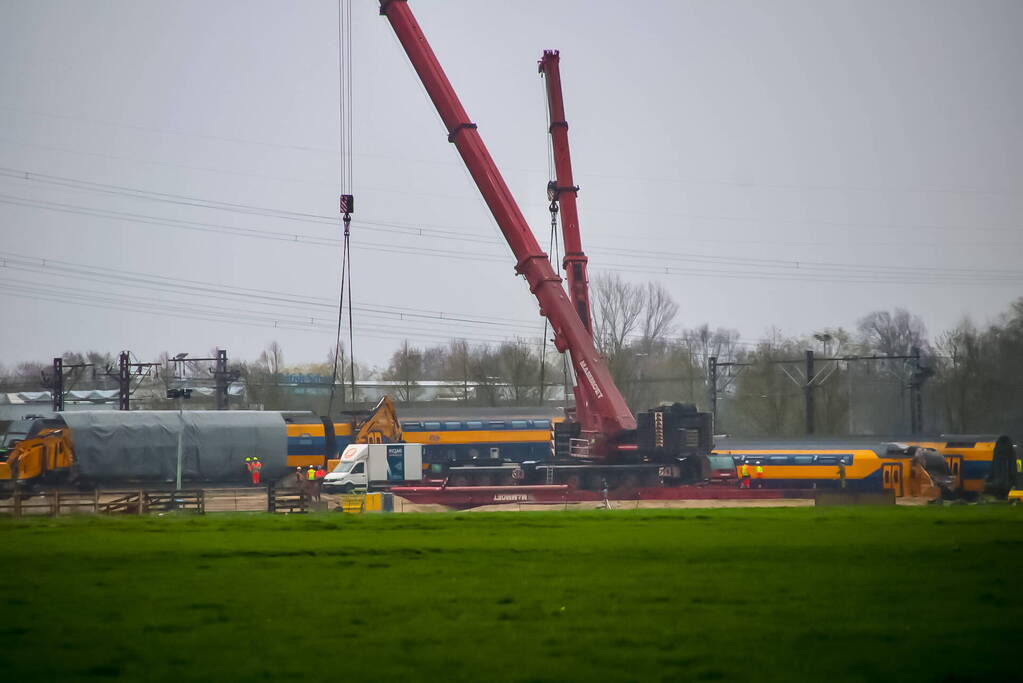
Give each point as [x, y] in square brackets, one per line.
[897, 481]
[891, 476]
[955, 468]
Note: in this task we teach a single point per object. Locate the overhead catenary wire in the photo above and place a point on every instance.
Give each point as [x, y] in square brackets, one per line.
[95, 299]
[217, 290]
[739, 184]
[138, 193]
[902, 272]
[208, 290]
[783, 270]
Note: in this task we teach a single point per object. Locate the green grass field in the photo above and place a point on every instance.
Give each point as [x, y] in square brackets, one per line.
[756, 594]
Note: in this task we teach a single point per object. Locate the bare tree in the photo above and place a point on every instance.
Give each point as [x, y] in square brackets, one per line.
[617, 312]
[262, 378]
[519, 368]
[485, 372]
[457, 364]
[434, 362]
[272, 358]
[659, 311]
[892, 333]
[406, 367]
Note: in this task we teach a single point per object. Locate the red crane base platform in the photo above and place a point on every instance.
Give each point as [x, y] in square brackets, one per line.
[465, 497]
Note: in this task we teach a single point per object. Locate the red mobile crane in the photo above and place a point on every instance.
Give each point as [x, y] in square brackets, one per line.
[604, 419]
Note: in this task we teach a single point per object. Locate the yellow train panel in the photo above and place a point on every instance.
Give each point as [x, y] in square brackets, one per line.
[482, 436]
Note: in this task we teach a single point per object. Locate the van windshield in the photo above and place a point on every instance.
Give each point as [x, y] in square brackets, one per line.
[346, 466]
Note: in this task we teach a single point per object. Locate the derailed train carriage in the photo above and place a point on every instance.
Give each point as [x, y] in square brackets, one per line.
[452, 441]
[962, 466]
[979, 463]
[902, 469]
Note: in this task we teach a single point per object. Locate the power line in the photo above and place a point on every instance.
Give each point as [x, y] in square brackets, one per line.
[62, 181]
[786, 270]
[209, 291]
[156, 306]
[830, 187]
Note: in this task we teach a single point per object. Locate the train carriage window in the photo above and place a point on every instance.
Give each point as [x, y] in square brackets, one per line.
[474, 424]
[541, 424]
[778, 460]
[495, 424]
[411, 426]
[847, 459]
[827, 459]
[431, 426]
[453, 426]
[802, 459]
[519, 424]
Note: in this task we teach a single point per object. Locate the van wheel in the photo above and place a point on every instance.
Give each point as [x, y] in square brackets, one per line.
[348, 488]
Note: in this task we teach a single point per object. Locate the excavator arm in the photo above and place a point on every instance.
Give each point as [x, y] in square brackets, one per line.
[382, 426]
[604, 416]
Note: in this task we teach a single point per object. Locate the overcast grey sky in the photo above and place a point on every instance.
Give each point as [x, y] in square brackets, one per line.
[724, 148]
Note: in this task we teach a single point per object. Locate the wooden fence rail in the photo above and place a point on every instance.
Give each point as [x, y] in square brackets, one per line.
[143, 501]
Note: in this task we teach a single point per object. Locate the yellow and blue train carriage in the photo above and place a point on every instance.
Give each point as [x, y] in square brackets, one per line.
[314, 440]
[979, 463]
[447, 442]
[807, 468]
[905, 470]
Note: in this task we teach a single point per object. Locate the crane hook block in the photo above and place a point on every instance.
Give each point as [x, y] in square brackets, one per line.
[347, 203]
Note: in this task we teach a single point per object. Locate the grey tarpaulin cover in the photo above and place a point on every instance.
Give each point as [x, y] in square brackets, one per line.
[143, 445]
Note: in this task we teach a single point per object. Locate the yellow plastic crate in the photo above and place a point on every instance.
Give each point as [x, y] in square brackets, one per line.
[354, 503]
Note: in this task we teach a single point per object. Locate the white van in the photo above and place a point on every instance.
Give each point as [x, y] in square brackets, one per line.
[375, 465]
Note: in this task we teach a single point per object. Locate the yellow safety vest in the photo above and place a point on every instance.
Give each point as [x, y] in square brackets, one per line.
[745, 470]
[311, 475]
[760, 469]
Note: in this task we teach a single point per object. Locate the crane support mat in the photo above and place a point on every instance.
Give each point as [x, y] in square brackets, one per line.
[143, 445]
[465, 497]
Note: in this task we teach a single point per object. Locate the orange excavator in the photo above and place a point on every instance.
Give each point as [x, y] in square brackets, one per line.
[44, 455]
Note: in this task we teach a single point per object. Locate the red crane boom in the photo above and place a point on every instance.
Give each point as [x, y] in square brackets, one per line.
[564, 191]
[604, 413]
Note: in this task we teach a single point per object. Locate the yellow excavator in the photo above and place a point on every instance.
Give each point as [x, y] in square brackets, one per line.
[43, 456]
[382, 426]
